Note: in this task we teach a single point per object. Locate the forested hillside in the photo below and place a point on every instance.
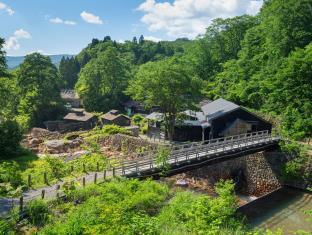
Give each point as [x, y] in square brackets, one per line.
[262, 62]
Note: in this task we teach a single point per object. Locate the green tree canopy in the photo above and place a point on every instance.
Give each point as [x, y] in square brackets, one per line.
[102, 81]
[168, 84]
[39, 83]
[3, 66]
[69, 69]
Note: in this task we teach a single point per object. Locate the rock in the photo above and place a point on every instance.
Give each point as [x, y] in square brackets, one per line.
[56, 146]
[34, 142]
[181, 183]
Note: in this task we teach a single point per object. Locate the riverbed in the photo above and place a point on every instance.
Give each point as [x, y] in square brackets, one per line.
[282, 209]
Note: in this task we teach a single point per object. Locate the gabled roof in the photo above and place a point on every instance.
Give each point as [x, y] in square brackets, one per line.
[84, 117]
[218, 108]
[113, 114]
[155, 116]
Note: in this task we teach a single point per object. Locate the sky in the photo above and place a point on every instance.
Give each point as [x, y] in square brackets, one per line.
[67, 26]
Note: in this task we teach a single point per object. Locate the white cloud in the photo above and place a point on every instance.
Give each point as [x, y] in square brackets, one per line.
[58, 20]
[90, 18]
[189, 18]
[6, 8]
[69, 22]
[21, 33]
[254, 7]
[12, 43]
[152, 38]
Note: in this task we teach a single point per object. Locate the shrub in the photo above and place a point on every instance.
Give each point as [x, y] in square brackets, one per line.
[37, 212]
[5, 228]
[10, 138]
[113, 129]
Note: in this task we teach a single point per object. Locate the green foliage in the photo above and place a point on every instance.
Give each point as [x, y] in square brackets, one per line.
[141, 122]
[102, 81]
[10, 137]
[162, 156]
[114, 129]
[69, 69]
[3, 66]
[168, 84]
[299, 168]
[5, 228]
[117, 207]
[39, 91]
[37, 212]
[273, 68]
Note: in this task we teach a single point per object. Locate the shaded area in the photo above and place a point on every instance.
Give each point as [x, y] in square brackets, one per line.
[284, 208]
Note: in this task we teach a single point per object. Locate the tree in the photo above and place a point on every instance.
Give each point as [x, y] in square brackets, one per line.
[102, 81]
[8, 98]
[141, 39]
[3, 66]
[10, 138]
[39, 89]
[135, 40]
[69, 69]
[168, 84]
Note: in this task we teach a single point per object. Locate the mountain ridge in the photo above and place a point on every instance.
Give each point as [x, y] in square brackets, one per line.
[15, 61]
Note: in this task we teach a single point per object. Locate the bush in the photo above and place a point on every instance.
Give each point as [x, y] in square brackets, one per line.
[5, 228]
[10, 179]
[37, 212]
[113, 129]
[10, 138]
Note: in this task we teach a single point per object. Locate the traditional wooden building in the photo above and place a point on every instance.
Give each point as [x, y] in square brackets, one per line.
[116, 118]
[216, 119]
[219, 118]
[77, 119]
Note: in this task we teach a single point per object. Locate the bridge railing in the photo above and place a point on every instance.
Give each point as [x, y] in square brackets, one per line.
[184, 152]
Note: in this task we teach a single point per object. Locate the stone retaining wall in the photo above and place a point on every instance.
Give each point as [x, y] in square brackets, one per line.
[255, 174]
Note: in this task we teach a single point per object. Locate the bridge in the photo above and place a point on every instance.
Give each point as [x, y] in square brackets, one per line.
[189, 156]
[171, 160]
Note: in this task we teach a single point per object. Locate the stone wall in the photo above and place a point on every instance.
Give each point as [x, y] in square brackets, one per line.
[254, 174]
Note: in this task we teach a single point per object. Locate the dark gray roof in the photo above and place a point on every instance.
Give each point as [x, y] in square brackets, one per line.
[218, 108]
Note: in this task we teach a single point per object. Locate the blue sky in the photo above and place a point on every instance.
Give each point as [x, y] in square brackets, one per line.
[67, 26]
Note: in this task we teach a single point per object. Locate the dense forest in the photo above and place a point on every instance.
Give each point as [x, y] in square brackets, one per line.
[262, 62]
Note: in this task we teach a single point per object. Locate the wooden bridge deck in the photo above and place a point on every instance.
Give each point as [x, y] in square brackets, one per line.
[189, 156]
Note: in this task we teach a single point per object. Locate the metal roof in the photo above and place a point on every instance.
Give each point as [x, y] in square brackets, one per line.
[218, 108]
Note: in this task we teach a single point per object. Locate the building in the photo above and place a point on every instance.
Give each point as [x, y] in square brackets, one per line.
[116, 118]
[75, 120]
[71, 98]
[220, 118]
[216, 119]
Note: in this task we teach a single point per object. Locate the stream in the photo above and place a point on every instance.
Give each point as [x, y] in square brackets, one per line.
[282, 209]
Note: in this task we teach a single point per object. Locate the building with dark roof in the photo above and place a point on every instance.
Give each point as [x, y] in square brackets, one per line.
[219, 118]
[215, 119]
[116, 118]
[77, 119]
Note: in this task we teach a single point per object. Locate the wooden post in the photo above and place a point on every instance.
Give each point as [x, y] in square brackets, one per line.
[84, 167]
[114, 174]
[21, 204]
[42, 194]
[95, 178]
[71, 169]
[84, 182]
[29, 180]
[97, 167]
[104, 175]
[45, 177]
